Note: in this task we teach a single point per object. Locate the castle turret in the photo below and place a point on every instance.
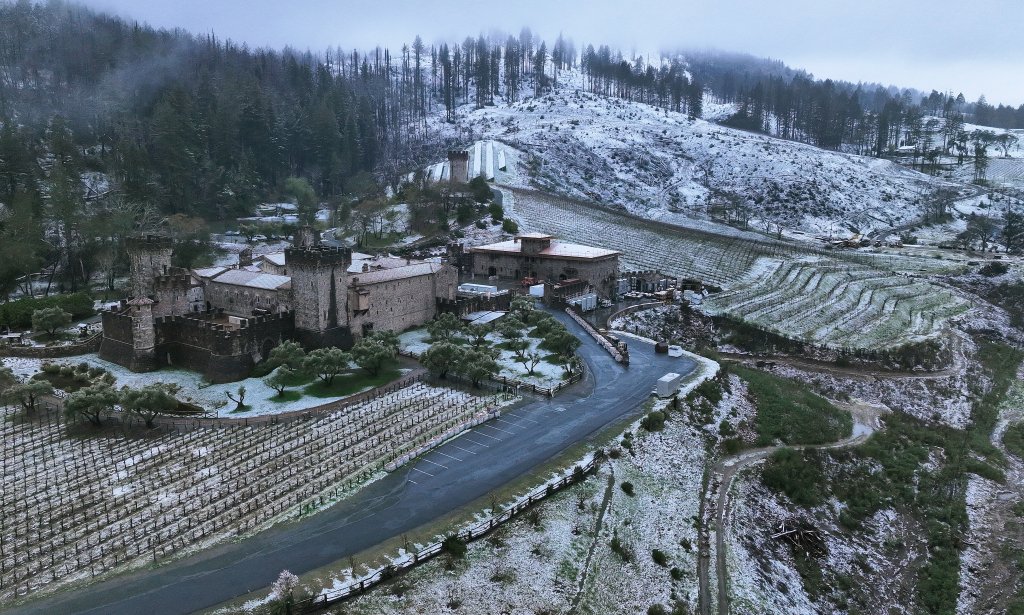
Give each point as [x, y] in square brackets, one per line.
[306, 237]
[458, 162]
[320, 294]
[148, 257]
[143, 334]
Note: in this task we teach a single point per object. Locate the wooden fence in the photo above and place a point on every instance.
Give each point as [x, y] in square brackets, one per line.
[474, 532]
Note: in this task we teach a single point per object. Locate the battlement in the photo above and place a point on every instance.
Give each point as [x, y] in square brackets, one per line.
[150, 242]
[458, 155]
[173, 280]
[214, 321]
[316, 256]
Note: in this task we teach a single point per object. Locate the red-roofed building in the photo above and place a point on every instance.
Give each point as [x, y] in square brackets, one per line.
[542, 257]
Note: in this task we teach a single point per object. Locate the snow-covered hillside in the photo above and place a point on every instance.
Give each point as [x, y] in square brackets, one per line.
[652, 162]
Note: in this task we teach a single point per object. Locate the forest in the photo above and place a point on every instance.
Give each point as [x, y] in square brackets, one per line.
[110, 127]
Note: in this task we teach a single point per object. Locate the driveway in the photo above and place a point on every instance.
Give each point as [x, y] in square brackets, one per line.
[466, 468]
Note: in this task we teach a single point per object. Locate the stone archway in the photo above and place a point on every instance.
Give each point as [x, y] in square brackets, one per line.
[268, 345]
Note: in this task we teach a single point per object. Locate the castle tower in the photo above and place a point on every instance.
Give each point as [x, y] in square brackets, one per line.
[320, 294]
[172, 292]
[143, 335]
[459, 163]
[306, 237]
[148, 257]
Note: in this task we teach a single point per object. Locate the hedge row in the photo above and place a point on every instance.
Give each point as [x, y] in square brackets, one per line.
[18, 314]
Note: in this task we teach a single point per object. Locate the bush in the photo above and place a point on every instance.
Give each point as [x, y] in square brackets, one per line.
[18, 314]
[732, 446]
[994, 269]
[620, 547]
[510, 226]
[627, 488]
[660, 558]
[654, 421]
[455, 546]
[1013, 439]
[657, 609]
[798, 474]
[496, 210]
[676, 573]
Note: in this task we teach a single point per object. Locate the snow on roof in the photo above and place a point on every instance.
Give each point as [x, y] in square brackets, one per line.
[209, 272]
[277, 258]
[534, 236]
[395, 273]
[557, 249]
[483, 317]
[254, 279]
[141, 301]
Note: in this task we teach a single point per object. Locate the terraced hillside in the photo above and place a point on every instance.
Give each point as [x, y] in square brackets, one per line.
[842, 300]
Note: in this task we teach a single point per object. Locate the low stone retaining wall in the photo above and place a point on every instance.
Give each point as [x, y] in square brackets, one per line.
[89, 346]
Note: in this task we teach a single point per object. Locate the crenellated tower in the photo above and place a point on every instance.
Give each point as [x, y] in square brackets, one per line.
[149, 256]
[320, 294]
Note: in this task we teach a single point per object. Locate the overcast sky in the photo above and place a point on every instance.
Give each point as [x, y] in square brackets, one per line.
[971, 47]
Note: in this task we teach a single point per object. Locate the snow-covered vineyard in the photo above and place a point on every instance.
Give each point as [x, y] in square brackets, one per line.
[840, 305]
[75, 508]
[798, 292]
[486, 159]
[651, 162]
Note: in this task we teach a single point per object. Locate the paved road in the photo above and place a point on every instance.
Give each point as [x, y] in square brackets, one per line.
[466, 468]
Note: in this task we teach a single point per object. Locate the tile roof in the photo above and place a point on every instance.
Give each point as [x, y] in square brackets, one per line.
[254, 279]
[395, 273]
[209, 272]
[276, 258]
[557, 249]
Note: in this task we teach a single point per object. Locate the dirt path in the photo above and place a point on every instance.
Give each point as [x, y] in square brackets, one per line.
[575, 603]
[865, 422]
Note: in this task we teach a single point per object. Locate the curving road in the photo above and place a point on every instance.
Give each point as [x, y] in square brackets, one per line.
[441, 481]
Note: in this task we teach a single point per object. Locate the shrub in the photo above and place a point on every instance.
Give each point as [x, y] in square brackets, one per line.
[82, 367]
[732, 446]
[993, 269]
[657, 609]
[615, 453]
[51, 368]
[510, 226]
[67, 371]
[627, 488]
[676, 573]
[18, 314]
[798, 474]
[455, 546]
[1013, 439]
[620, 547]
[654, 421]
[660, 558]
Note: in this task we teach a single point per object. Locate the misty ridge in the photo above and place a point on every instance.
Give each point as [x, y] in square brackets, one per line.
[197, 126]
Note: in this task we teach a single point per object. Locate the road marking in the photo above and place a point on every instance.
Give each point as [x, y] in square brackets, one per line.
[447, 455]
[434, 462]
[523, 418]
[509, 422]
[466, 450]
[511, 433]
[422, 472]
[480, 433]
[411, 481]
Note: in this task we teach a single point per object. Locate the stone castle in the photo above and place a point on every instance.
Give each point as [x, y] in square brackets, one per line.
[222, 321]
